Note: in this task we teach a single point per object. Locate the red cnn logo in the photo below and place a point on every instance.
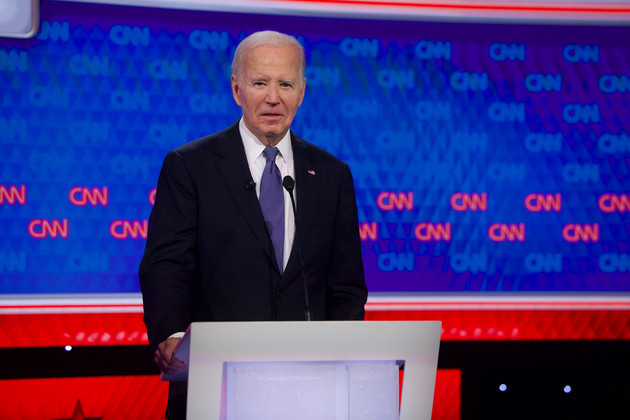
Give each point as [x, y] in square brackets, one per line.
[41, 228]
[368, 230]
[433, 231]
[388, 200]
[123, 229]
[80, 196]
[574, 232]
[12, 194]
[464, 201]
[547, 202]
[611, 203]
[501, 232]
[152, 196]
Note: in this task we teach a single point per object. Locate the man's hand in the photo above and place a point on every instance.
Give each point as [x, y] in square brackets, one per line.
[165, 357]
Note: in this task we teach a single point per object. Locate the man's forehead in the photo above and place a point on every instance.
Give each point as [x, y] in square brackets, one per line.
[263, 52]
[266, 69]
[272, 62]
[267, 78]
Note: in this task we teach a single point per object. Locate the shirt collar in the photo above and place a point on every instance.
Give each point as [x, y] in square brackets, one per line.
[254, 147]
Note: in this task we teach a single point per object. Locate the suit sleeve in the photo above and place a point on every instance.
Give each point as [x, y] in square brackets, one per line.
[169, 260]
[346, 292]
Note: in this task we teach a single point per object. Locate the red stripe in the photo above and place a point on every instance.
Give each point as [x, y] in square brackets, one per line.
[108, 397]
[127, 328]
[503, 7]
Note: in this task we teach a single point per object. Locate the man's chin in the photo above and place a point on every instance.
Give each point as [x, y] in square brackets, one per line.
[274, 134]
[271, 139]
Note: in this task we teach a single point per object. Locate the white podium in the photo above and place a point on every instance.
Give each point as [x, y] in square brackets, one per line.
[328, 370]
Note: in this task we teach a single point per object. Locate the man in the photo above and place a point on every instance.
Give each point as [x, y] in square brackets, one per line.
[217, 248]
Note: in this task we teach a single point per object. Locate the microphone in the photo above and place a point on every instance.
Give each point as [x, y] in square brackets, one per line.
[288, 183]
[249, 185]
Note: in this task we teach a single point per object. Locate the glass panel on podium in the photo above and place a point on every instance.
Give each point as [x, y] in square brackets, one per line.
[335, 390]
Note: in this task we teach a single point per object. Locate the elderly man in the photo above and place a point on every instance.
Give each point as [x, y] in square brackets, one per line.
[222, 243]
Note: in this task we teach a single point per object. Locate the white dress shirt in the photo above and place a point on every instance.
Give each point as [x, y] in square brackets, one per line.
[284, 160]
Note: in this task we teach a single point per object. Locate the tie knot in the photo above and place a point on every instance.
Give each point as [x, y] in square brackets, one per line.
[271, 153]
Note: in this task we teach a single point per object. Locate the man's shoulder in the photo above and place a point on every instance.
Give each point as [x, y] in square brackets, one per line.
[207, 143]
[314, 152]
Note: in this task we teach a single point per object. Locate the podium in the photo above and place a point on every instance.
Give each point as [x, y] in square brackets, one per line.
[332, 370]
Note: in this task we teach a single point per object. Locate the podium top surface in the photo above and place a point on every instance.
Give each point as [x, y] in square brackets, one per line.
[309, 341]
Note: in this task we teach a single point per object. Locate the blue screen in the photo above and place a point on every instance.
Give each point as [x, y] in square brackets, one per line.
[486, 157]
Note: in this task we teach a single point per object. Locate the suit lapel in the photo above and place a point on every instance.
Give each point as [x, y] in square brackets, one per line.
[235, 171]
[306, 186]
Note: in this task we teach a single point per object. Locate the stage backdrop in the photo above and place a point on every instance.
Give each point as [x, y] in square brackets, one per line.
[486, 157]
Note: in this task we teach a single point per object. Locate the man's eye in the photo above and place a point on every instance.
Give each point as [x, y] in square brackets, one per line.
[259, 83]
[286, 85]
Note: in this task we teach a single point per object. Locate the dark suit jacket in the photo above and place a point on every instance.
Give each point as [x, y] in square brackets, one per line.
[209, 257]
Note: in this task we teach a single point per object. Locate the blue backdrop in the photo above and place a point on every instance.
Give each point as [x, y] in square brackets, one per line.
[486, 157]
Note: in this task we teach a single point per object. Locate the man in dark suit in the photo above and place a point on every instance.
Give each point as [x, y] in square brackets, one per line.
[217, 248]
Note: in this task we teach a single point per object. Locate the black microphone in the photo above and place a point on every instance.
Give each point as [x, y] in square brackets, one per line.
[288, 184]
[250, 185]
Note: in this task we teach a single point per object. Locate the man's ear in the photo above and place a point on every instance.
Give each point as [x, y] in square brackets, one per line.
[303, 91]
[236, 89]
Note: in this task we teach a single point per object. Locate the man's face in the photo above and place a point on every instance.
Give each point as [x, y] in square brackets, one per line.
[270, 89]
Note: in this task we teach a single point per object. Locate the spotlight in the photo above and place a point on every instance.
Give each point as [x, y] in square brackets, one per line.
[19, 18]
[567, 389]
[68, 348]
[503, 387]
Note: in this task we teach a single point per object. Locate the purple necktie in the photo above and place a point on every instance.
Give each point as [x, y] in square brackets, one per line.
[272, 203]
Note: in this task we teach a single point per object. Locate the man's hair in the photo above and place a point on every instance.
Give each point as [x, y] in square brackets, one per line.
[265, 38]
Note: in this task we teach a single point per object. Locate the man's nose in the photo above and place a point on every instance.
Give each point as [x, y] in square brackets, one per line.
[273, 93]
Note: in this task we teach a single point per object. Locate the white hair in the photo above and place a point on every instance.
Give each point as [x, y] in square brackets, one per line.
[265, 38]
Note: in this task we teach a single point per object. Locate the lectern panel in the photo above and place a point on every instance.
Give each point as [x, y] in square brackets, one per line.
[336, 390]
[212, 344]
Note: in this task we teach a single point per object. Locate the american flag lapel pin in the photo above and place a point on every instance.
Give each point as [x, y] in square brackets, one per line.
[312, 172]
